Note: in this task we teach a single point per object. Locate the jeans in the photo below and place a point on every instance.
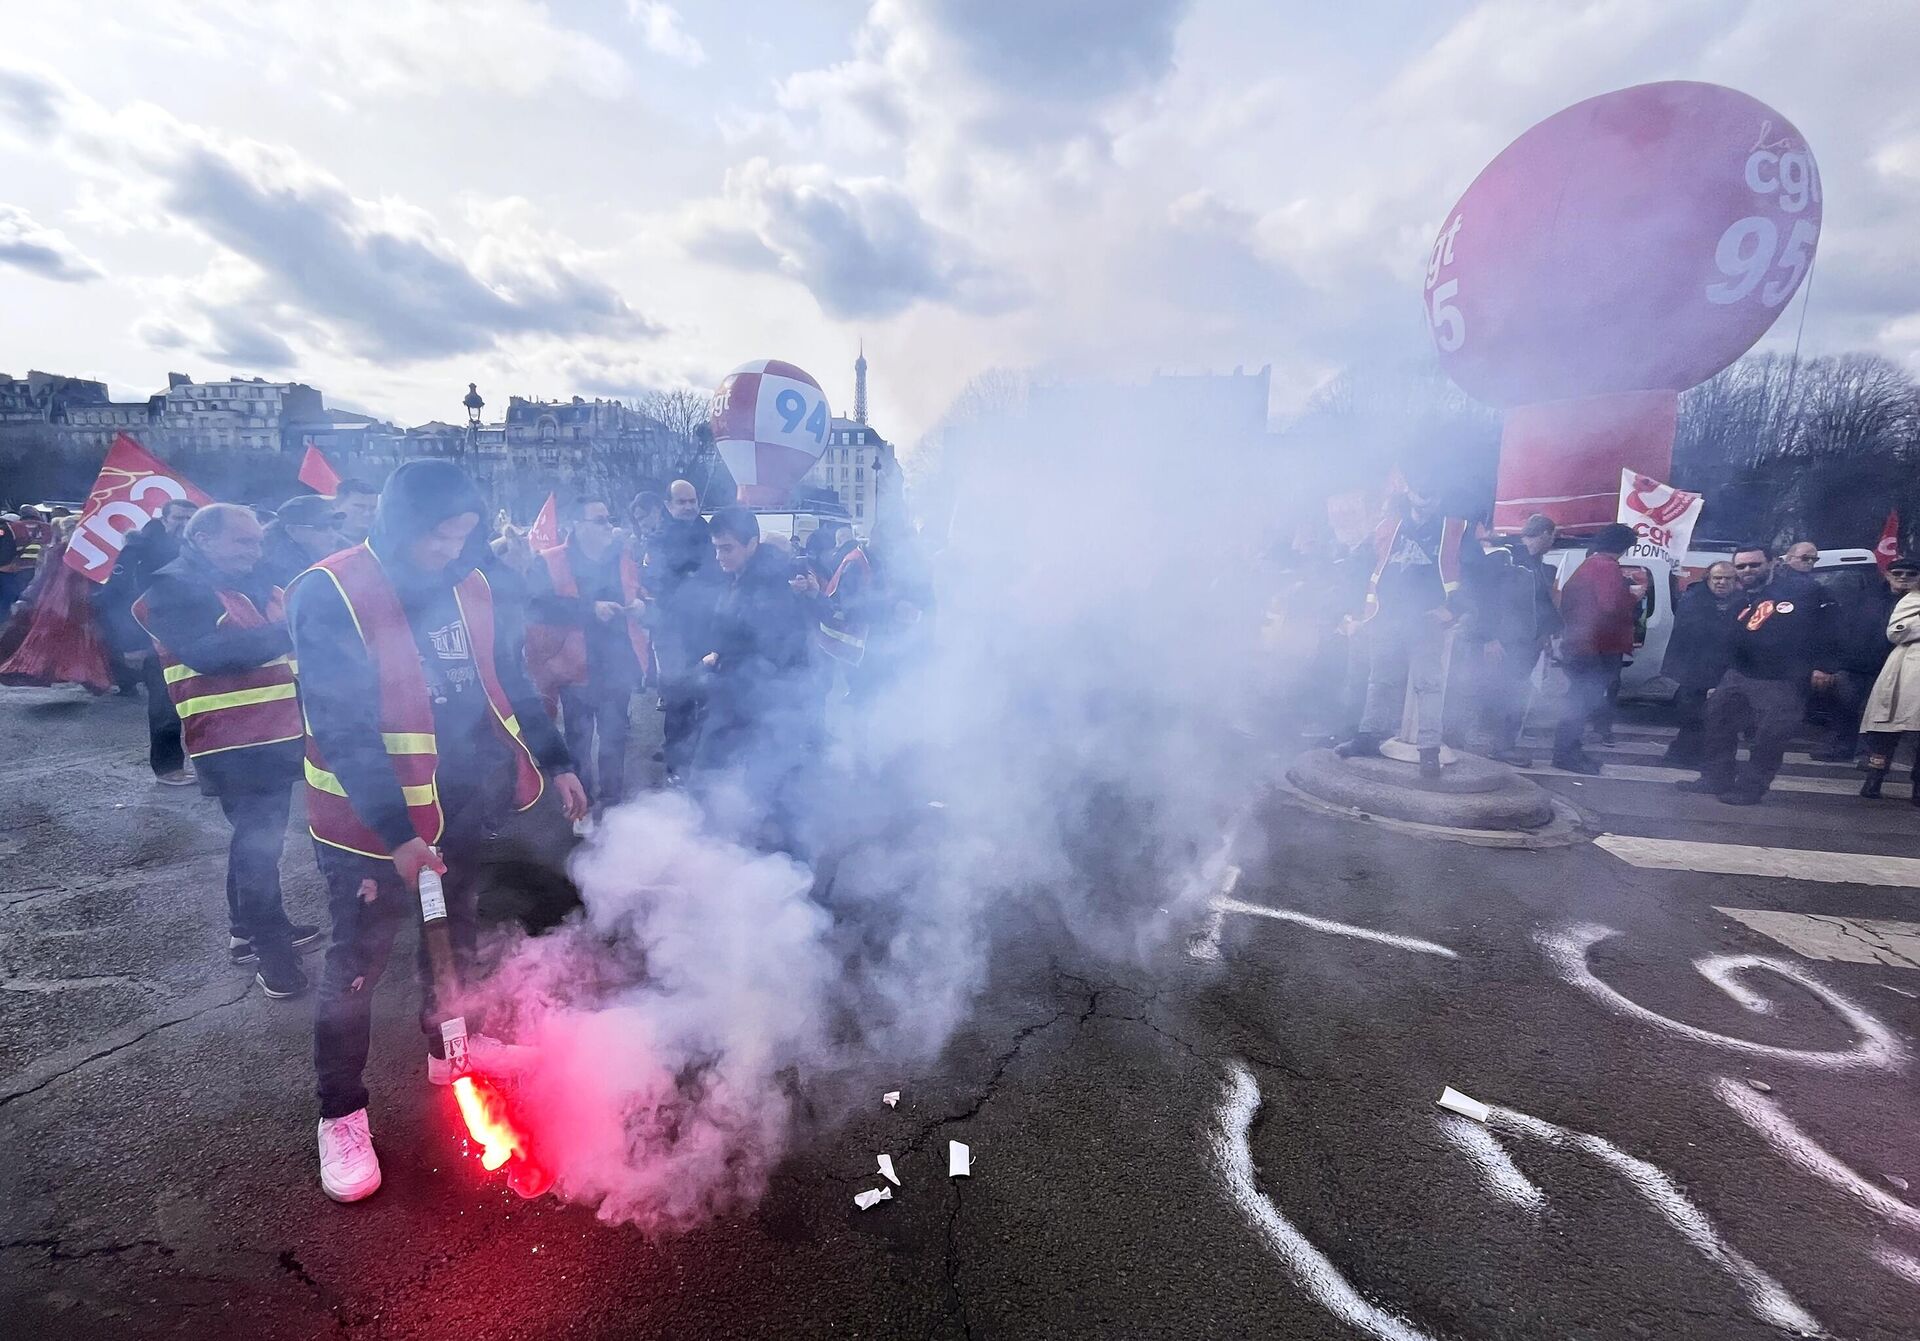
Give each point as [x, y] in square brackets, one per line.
[164, 751]
[1506, 690]
[596, 728]
[1775, 709]
[363, 933]
[255, 911]
[1403, 653]
[1590, 681]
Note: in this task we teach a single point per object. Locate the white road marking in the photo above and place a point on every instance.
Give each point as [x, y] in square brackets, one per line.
[1794, 863]
[1656, 749]
[1901, 1265]
[1877, 1048]
[1765, 1296]
[1306, 1264]
[1206, 945]
[1497, 1169]
[1796, 1147]
[1650, 773]
[1851, 940]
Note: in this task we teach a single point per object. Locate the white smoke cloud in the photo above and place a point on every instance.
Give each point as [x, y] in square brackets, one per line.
[1086, 709]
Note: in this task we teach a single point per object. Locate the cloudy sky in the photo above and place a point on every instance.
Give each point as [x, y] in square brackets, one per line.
[389, 198]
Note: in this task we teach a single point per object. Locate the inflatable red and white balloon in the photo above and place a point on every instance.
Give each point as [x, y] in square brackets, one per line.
[1617, 253]
[770, 423]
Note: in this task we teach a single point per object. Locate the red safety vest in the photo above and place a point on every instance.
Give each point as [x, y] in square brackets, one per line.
[232, 710]
[30, 539]
[1453, 532]
[405, 708]
[557, 653]
[839, 637]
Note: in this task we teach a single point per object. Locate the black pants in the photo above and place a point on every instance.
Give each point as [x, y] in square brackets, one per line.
[1886, 745]
[1774, 708]
[363, 933]
[1590, 680]
[255, 911]
[597, 726]
[1689, 742]
[1851, 689]
[164, 751]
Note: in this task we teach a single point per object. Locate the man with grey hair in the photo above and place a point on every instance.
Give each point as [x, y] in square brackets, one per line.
[219, 631]
[684, 584]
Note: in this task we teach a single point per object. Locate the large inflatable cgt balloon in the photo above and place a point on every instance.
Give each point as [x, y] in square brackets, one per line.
[1614, 255]
[770, 423]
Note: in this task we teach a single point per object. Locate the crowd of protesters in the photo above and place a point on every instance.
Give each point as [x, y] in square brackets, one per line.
[1446, 635]
[422, 675]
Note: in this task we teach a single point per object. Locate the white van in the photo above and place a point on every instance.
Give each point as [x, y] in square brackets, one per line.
[1653, 626]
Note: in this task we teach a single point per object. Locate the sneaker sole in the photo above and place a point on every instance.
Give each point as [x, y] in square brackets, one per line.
[346, 1196]
[278, 996]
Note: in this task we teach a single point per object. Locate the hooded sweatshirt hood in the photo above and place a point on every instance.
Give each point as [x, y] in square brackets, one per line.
[419, 496]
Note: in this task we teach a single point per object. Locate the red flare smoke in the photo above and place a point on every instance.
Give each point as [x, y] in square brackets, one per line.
[490, 1123]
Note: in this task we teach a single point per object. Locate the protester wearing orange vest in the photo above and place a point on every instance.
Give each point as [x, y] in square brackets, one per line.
[422, 734]
[586, 646]
[219, 632]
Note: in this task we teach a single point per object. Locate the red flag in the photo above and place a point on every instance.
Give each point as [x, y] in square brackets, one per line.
[1888, 549]
[546, 527]
[317, 473]
[134, 485]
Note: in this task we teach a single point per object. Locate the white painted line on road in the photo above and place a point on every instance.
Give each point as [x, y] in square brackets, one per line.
[1877, 1048]
[1765, 1295]
[1796, 1147]
[1901, 1265]
[1497, 1169]
[1306, 1264]
[1649, 773]
[1850, 940]
[1794, 863]
[1655, 749]
[1206, 945]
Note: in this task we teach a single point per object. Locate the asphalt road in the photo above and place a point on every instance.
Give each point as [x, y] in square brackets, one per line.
[1236, 1137]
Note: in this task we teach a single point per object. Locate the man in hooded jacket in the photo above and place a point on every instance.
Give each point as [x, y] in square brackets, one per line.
[422, 733]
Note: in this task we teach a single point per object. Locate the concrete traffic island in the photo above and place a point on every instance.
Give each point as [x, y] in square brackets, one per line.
[1475, 796]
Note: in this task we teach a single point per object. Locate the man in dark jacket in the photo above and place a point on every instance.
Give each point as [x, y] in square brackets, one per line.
[758, 688]
[423, 733]
[219, 633]
[684, 582]
[1781, 648]
[146, 552]
[1697, 656]
[1597, 604]
[1861, 648]
[304, 531]
[1515, 617]
[588, 590]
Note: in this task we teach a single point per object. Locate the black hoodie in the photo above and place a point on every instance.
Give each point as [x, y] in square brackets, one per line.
[340, 692]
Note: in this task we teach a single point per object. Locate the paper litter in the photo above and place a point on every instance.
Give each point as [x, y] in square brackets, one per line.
[872, 1197]
[886, 1170]
[959, 1160]
[1454, 1101]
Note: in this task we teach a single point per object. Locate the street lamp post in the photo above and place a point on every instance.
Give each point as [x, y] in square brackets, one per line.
[474, 405]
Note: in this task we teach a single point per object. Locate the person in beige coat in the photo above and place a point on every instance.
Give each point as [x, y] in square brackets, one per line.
[1893, 708]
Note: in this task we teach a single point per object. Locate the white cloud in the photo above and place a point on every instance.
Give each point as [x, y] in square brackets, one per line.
[407, 48]
[860, 245]
[30, 246]
[660, 22]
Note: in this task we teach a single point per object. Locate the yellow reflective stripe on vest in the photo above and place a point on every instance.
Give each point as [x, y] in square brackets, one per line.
[179, 671]
[408, 742]
[324, 781]
[239, 698]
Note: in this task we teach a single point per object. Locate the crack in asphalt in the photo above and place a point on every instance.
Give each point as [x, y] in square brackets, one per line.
[57, 1253]
[23, 1083]
[1893, 959]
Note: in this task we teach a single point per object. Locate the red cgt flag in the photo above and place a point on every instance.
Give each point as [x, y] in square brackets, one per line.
[317, 473]
[1888, 549]
[133, 486]
[546, 527]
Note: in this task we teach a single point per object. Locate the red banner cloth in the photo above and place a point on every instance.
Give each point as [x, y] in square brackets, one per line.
[134, 485]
